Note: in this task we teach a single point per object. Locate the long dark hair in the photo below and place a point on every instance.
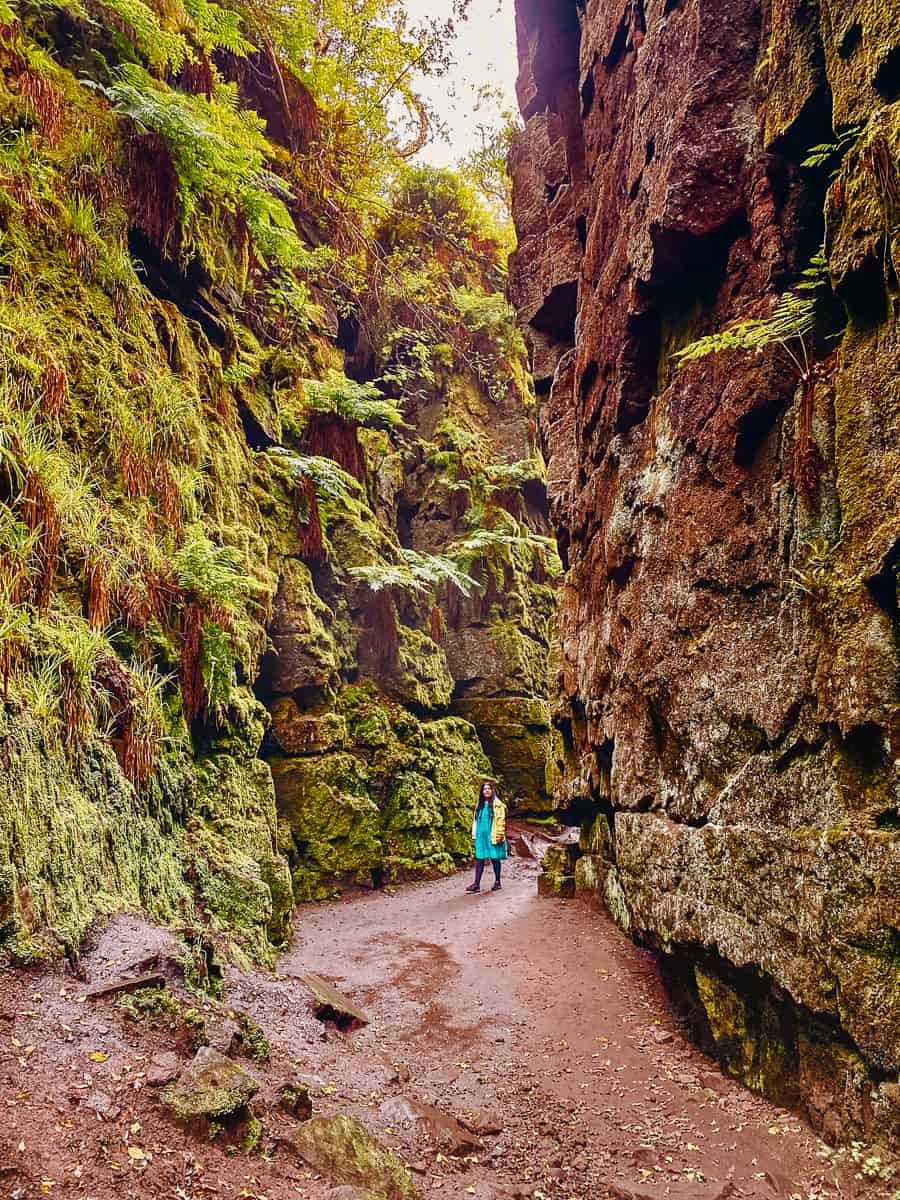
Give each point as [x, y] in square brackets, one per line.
[481, 798]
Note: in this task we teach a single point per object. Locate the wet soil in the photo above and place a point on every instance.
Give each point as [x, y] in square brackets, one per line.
[533, 1021]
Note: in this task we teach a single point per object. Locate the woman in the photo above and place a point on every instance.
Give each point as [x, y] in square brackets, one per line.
[489, 834]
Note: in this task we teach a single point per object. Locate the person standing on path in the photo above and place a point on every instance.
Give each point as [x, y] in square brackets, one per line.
[489, 835]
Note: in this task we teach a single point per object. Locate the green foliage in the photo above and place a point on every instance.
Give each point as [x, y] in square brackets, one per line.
[219, 152]
[358, 403]
[419, 573]
[816, 575]
[218, 667]
[831, 154]
[792, 320]
[330, 481]
[362, 62]
[162, 48]
[486, 165]
[508, 541]
[214, 574]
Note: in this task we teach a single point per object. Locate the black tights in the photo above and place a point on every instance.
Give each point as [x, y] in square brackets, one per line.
[479, 869]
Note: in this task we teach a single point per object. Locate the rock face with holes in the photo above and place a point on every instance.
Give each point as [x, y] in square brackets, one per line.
[730, 527]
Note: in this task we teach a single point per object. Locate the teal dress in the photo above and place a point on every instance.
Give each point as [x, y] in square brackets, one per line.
[484, 847]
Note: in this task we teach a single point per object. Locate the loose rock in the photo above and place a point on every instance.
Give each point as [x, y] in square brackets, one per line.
[342, 1149]
[211, 1086]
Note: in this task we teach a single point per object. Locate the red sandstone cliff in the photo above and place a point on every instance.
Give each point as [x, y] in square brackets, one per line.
[731, 531]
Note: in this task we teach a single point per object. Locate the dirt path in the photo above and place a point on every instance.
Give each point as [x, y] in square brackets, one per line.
[533, 1019]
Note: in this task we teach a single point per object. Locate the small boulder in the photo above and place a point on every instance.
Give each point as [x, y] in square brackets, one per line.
[443, 1130]
[397, 1111]
[163, 1068]
[294, 1099]
[104, 1106]
[343, 1150]
[482, 1122]
[332, 1005]
[211, 1086]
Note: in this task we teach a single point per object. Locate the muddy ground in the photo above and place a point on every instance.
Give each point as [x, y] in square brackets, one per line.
[533, 1021]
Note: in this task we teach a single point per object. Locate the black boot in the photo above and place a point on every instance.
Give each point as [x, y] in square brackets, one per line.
[479, 871]
[497, 884]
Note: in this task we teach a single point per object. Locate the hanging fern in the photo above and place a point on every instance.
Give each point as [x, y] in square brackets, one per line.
[215, 574]
[358, 403]
[218, 151]
[163, 49]
[329, 480]
[420, 573]
[218, 28]
[831, 154]
[792, 320]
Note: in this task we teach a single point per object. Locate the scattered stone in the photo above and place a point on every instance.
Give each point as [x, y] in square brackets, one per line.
[661, 1036]
[688, 1190]
[153, 980]
[444, 1130]
[482, 1122]
[225, 1037]
[163, 1069]
[332, 1005]
[397, 1111]
[104, 1106]
[294, 1098]
[402, 1074]
[643, 1156]
[342, 1149]
[714, 1082]
[210, 1086]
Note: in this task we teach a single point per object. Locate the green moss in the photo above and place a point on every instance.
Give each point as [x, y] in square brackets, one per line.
[162, 1010]
[342, 1149]
[421, 678]
[254, 1043]
[335, 826]
[148, 1003]
[253, 1134]
[414, 826]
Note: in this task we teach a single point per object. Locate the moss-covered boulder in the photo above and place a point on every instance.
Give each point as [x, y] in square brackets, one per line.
[211, 1087]
[457, 765]
[334, 824]
[421, 678]
[295, 731]
[343, 1150]
[304, 651]
[414, 826]
[396, 801]
[516, 734]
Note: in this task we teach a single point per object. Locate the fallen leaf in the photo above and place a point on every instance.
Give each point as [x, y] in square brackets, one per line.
[98, 1056]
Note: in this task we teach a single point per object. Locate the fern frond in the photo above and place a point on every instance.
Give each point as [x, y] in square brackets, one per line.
[215, 574]
[792, 319]
[330, 481]
[358, 403]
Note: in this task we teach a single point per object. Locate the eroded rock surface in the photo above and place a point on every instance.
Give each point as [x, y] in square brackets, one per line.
[729, 617]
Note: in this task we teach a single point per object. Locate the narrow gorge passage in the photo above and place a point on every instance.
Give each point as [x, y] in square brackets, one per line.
[344, 471]
[534, 1020]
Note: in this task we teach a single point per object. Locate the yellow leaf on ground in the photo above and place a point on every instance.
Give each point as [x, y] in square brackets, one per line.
[98, 1056]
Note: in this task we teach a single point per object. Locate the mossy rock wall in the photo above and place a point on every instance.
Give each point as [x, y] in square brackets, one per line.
[397, 802]
[226, 684]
